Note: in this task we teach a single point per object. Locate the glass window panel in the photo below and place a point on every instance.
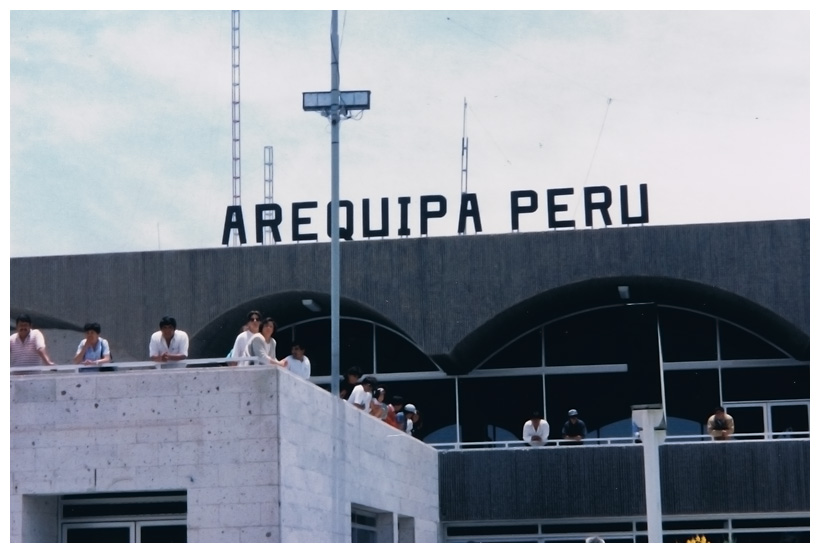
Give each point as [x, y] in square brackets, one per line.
[771, 537]
[790, 420]
[687, 336]
[590, 338]
[598, 398]
[489, 404]
[748, 420]
[115, 534]
[175, 533]
[691, 395]
[524, 352]
[736, 343]
[355, 345]
[765, 383]
[396, 354]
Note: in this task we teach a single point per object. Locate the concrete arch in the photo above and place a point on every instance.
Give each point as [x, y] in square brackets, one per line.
[552, 304]
[217, 337]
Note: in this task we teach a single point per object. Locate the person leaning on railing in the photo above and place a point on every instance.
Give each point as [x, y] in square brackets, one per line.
[93, 350]
[28, 345]
[720, 426]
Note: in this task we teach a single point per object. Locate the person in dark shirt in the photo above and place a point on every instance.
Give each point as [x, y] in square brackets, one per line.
[574, 429]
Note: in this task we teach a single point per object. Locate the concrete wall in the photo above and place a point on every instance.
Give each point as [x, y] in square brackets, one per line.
[704, 478]
[216, 434]
[437, 290]
[376, 467]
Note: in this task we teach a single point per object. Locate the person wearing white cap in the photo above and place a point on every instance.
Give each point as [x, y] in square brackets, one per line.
[574, 429]
[412, 417]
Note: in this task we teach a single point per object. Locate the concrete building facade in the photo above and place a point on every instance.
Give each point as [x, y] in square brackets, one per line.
[253, 454]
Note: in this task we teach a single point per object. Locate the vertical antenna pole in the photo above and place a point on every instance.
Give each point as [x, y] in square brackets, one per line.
[465, 145]
[267, 155]
[235, 130]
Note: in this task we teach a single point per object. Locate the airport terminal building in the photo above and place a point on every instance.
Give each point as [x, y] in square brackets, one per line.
[478, 331]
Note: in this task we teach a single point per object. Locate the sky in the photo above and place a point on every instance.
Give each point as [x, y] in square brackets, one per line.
[120, 122]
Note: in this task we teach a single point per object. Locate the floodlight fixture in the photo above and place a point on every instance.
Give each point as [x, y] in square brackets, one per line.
[311, 305]
[349, 100]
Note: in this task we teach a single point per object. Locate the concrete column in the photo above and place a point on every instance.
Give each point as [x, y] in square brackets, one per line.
[652, 429]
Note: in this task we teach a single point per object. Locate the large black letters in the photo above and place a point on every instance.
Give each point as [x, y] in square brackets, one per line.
[516, 208]
[427, 214]
[272, 224]
[233, 220]
[469, 208]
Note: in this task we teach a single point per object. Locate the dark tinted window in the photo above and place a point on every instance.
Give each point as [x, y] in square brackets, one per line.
[687, 336]
[765, 383]
[395, 354]
[736, 343]
[691, 395]
[524, 352]
[590, 338]
[488, 405]
[599, 399]
[177, 533]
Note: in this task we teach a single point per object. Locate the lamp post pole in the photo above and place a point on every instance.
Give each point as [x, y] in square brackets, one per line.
[335, 120]
[336, 106]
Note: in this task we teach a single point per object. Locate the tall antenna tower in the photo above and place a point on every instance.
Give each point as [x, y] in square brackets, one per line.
[465, 147]
[235, 129]
[267, 237]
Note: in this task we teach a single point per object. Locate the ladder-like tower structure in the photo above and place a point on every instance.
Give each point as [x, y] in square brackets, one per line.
[235, 128]
[267, 237]
[465, 151]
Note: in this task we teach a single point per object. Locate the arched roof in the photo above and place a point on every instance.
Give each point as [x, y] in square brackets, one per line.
[601, 292]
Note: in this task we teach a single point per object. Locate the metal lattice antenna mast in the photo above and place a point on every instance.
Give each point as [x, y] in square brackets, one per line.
[465, 151]
[267, 237]
[235, 129]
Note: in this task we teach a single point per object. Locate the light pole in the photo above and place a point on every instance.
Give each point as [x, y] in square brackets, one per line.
[335, 105]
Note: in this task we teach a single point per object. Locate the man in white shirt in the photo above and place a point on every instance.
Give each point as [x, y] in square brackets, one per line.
[363, 394]
[240, 346]
[298, 363]
[168, 344]
[536, 430]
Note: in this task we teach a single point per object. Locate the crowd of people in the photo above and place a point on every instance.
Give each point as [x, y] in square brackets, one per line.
[364, 394]
[536, 430]
[168, 346]
[255, 345]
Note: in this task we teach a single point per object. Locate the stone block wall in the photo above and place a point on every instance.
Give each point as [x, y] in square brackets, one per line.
[239, 441]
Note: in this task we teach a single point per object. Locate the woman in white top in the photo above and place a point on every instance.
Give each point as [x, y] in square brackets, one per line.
[263, 346]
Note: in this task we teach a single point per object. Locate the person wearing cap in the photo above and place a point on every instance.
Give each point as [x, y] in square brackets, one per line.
[413, 419]
[536, 430]
[362, 395]
[720, 425]
[574, 430]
